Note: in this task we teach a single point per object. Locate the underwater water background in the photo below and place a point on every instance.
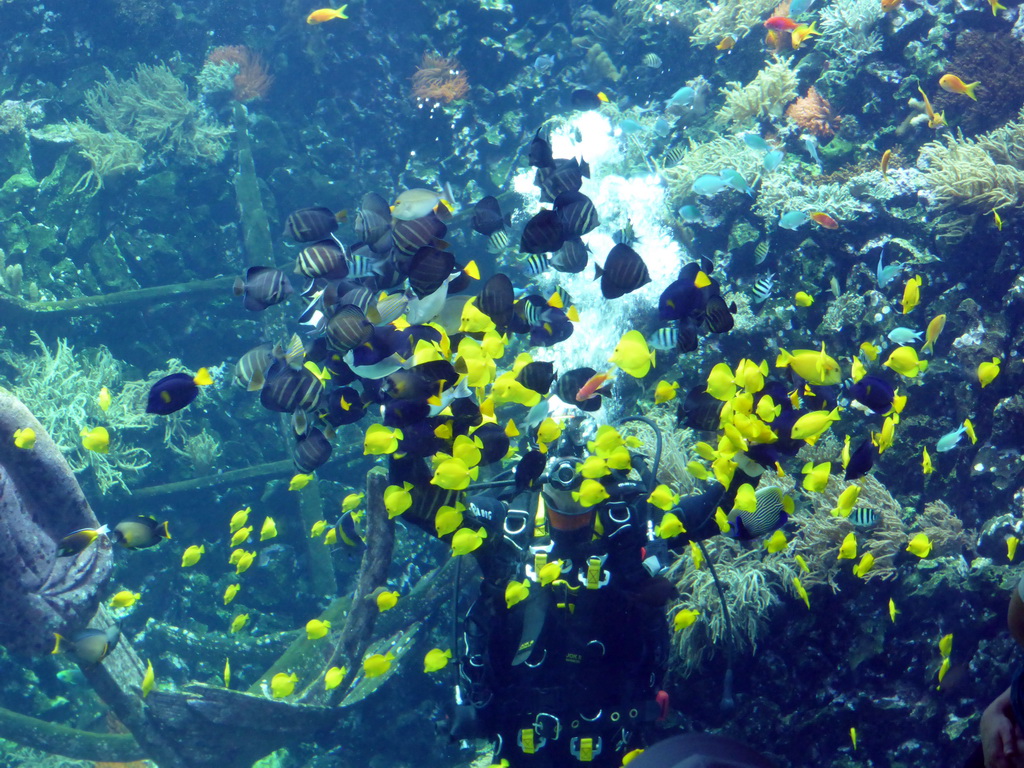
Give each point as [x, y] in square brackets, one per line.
[179, 176]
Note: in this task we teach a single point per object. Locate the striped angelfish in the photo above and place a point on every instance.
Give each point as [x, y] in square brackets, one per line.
[763, 288]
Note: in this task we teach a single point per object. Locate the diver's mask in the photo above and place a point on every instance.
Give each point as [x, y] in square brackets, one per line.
[564, 512]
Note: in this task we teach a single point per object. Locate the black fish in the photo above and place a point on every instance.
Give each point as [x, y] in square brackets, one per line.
[570, 382]
[174, 392]
[699, 410]
[874, 392]
[861, 460]
[324, 259]
[348, 328]
[572, 258]
[496, 300]
[529, 470]
[537, 376]
[576, 213]
[347, 532]
[554, 327]
[412, 235]
[428, 270]
[140, 532]
[487, 216]
[686, 337]
[717, 316]
[288, 390]
[623, 272]
[496, 442]
[311, 451]
[681, 299]
[585, 99]
[344, 406]
[543, 233]
[564, 175]
[262, 287]
[539, 155]
[307, 225]
[373, 220]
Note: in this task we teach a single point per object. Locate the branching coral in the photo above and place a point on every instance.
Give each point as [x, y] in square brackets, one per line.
[847, 32]
[60, 388]
[730, 18]
[439, 80]
[149, 111]
[779, 193]
[820, 534]
[814, 114]
[983, 173]
[710, 158]
[752, 585]
[764, 96]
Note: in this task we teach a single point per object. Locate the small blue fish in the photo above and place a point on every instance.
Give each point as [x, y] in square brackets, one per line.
[684, 97]
[544, 63]
[773, 159]
[662, 127]
[811, 145]
[690, 214]
[798, 7]
[950, 440]
[885, 275]
[708, 185]
[630, 126]
[903, 336]
[793, 219]
[756, 142]
[734, 179]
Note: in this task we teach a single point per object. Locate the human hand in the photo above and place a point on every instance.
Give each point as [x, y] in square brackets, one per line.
[1001, 739]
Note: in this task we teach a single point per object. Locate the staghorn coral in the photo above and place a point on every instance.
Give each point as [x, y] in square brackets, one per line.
[729, 18]
[814, 114]
[249, 76]
[779, 193]
[60, 387]
[764, 96]
[438, 80]
[982, 173]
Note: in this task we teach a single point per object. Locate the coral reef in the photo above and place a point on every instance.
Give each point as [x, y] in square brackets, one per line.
[730, 18]
[439, 80]
[764, 96]
[847, 32]
[249, 77]
[814, 114]
[709, 158]
[983, 173]
[60, 387]
[147, 113]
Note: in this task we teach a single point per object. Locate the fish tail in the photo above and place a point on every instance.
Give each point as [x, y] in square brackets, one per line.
[163, 531]
[56, 645]
[969, 89]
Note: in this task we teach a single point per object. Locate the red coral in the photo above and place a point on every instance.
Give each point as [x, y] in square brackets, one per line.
[439, 80]
[814, 114]
[253, 81]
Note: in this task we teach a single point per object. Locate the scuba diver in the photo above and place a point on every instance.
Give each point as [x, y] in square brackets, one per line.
[562, 654]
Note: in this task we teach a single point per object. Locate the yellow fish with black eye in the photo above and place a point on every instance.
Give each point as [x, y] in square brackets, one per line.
[685, 618]
[436, 660]
[665, 391]
[283, 684]
[192, 554]
[25, 438]
[238, 623]
[466, 540]
[867, 562]
[124, 599]
[377, 664]
[848, 549]
[516, 592]
[632, 355]
[911, 294]
[317, 629]
[920, 545]
[386, 600]
[96, 439]
[231, 592]
[988, 371]
[334, 677]
[777, 543]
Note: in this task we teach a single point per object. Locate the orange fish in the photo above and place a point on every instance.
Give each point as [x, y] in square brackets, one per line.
[802, 32]
[888, 6]
[954, 84]
[884, 165]
[781, 24]
[773, 40]
[935, 119]
[321, 15]
[594, 383]
[726, 44]
[823, 220]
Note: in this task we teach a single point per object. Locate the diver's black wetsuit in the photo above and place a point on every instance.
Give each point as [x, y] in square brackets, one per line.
[570, 675]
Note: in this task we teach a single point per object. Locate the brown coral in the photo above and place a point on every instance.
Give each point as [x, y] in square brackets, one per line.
[252, 81]
[814, 114]
[439, 80]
